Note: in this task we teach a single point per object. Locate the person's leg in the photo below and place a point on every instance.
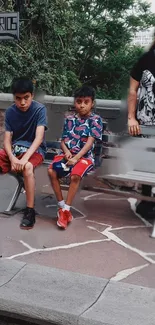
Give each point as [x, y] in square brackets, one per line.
[55, 184]
[145, 208]
[29, 183]
[64, 214]
[73, 188]
[146, 190]
[28, 220]
[79, 170]
[61, 221]
[55, 181]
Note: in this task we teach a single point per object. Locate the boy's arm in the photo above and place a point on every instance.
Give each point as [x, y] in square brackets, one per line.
[64, 147]
[40, 130]
[34, 146]
[82, 152]
[19, 164]
[8, 135]
[85, 148]
[39, 136]
[95, 133]
[66, 151]
[8, 148]
[8, 144]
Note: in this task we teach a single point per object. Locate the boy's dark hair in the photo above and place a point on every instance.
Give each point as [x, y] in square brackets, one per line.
[85, 91]
[22, 85]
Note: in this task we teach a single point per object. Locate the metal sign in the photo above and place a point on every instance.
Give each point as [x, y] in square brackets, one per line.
[9, 25]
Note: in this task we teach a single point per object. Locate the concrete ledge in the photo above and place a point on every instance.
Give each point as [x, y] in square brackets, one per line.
[48, 294]
[51, 296]
[122, 304]
[9, 270]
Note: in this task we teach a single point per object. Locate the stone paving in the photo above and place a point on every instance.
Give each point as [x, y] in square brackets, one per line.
[106, 239]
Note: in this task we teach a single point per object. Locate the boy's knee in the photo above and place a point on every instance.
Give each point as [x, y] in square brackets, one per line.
[75, 178]
[52, 173]
[28, 169]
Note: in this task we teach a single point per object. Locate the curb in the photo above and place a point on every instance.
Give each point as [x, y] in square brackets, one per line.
[52, 296]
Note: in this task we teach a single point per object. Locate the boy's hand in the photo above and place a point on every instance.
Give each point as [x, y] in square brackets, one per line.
[72, 162]
[68, 155]
[14, 163]
[23, 161]
[18, 164]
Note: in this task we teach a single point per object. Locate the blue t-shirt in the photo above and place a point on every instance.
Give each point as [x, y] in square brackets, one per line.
[23, 125]
[77, 130]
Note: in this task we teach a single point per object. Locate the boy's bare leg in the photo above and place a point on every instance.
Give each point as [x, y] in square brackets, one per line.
[29, 182]
[28, 220]
[55, 184]
[73, 188]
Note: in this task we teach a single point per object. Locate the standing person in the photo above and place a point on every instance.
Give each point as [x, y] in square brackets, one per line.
[24, 144]
[78, 138]
[141, 108]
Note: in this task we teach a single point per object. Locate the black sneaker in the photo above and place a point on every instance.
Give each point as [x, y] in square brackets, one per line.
[28, 220]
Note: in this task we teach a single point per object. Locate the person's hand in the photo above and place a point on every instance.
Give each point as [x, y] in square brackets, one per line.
[68, 155]
[72, 162]
[17, 165]
[133, 127]
[14, 163]
[23, 161]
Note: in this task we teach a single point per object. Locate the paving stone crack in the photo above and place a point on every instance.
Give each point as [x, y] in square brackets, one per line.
[96, 300]
[13, 276]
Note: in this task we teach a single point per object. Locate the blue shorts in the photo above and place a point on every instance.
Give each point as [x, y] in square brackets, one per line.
[81, 168]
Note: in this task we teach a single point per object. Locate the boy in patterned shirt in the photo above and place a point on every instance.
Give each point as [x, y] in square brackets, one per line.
[78, 138]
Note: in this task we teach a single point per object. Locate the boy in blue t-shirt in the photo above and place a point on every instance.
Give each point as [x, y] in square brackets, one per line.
[24, 144]
[78, 138]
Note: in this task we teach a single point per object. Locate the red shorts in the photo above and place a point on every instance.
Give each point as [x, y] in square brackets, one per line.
[5, 166]
[82, 167]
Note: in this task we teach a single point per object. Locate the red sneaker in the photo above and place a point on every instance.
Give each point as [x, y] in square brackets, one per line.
[68, 216]
[62, 219]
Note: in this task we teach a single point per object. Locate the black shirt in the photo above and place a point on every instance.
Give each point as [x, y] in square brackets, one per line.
[146, 62]
[144, 72]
